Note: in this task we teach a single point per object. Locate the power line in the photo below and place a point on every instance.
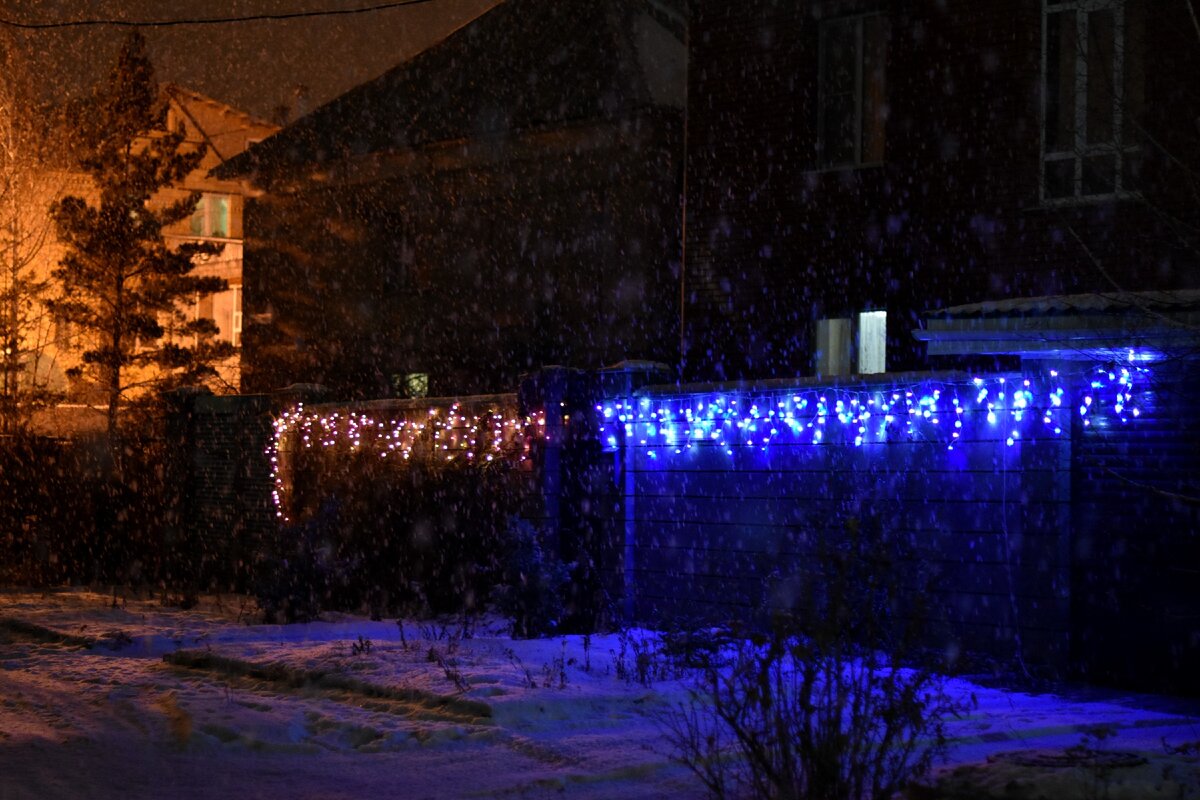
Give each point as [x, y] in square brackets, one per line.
[168, 23]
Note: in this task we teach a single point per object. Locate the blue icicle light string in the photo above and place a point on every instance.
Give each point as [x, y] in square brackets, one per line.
[1008, 408]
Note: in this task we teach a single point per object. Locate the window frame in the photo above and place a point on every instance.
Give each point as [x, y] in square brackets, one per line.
[235, 335]
[1081, 150]
[204, 211]
[823, 162]
[848, 331]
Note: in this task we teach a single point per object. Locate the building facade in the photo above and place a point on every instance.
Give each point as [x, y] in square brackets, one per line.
[506, 199]
[226, 132]
[855, 163]
[55, 347]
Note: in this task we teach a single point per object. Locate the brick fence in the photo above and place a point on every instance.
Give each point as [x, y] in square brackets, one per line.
[1042, 504]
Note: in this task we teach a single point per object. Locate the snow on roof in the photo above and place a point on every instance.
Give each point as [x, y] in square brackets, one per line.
[1163, 301]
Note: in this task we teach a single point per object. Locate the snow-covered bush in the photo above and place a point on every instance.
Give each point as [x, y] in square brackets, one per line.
[826, 702]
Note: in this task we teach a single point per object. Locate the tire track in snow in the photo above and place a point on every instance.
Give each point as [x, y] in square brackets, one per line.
[408, 703]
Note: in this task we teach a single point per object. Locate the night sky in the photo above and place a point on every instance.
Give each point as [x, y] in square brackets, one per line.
[254, 66]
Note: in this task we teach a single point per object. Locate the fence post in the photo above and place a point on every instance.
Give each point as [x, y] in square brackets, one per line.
[546, 392]
[180, 537]
[620, 381]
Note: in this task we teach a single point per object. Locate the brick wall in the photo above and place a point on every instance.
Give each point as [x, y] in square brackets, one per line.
[952, 214]
[226, 506]
[720, 530]
[1075, 549]
[1136, 553]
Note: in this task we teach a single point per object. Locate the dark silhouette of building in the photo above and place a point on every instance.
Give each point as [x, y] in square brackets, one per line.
[897, 156]
[506, 199]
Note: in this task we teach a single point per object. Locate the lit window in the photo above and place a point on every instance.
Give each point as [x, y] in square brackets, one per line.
[833, 347]
[1092, 93]
[846, 345]
[224, 309]
[236, 337]
[851, 103]
[412, 384]
[211, 216]
[872, 342]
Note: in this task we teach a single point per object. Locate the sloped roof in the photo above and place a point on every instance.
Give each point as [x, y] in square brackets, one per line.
[525, 64]
[190, 97]
[1095, 302]
[1075, 326]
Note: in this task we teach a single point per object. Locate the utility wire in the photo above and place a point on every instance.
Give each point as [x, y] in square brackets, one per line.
[168, 23]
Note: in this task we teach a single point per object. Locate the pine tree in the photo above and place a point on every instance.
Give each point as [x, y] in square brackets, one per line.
[122, 285]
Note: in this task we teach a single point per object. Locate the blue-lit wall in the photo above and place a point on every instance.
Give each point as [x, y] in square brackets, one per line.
[726, 493]
[1136, 541]
[1056, 510]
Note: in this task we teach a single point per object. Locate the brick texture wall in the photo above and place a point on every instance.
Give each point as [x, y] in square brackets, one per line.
[952, 215]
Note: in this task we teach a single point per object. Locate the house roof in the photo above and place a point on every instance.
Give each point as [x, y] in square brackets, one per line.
[1094, 302]
[523, 65]
[190, 97]
[1078, 326]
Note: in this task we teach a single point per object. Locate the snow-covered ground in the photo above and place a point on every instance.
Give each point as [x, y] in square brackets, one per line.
[357, 709]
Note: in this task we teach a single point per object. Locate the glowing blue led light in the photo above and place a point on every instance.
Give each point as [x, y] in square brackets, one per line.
[842, 415]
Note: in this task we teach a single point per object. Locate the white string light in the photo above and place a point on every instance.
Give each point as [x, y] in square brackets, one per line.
[1006, 408]
[443, 435]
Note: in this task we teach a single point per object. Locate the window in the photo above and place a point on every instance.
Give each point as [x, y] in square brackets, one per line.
[236, 328]
[859, 341]
[1092, 93]
[411, 384]
[225, 310]
[833, 347]
[211, 217]
[872, 342]
[851, 101]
